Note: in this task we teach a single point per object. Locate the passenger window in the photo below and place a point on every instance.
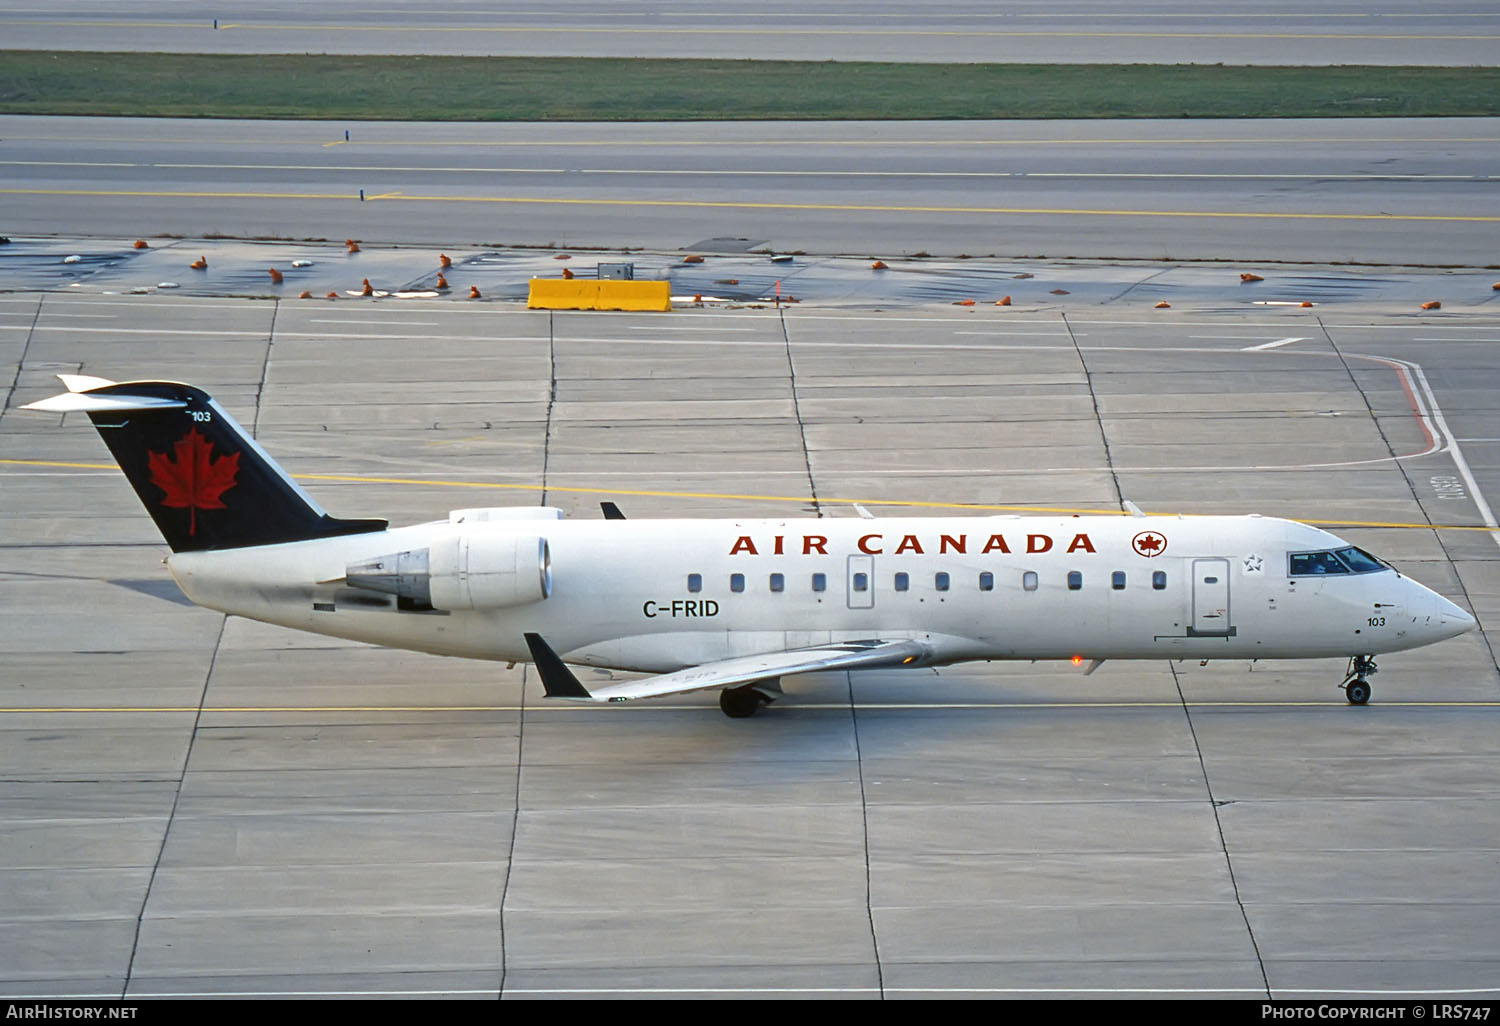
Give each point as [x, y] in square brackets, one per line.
[1028, 580]
[820, 582]
[778, 582]
[902, 582]
[986, 581]
[861, 582]
[695, 583]
[941, 580]
[1159, 580]
[1075, 580]
[1117, 580]
[736, 582]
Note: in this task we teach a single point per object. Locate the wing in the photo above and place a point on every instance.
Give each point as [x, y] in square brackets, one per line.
[849, 655]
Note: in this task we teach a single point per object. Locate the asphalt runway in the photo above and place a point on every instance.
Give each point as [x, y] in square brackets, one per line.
[1391, 191]
[1462, 32]
[201, 805]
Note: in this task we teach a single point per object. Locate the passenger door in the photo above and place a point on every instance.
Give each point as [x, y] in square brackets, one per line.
[1211, 598]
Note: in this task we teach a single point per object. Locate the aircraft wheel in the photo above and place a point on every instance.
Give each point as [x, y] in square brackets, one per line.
[740, 702]
[1357, 691]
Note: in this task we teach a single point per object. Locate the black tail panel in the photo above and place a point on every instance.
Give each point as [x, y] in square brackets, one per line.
[203, 479]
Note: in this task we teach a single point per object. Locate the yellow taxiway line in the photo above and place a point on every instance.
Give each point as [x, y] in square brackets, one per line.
[543, 706]
[734, 497]
[753, 205]
[841, 30]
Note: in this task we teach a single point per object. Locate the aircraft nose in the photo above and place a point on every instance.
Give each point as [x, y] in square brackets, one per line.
[1451, 620]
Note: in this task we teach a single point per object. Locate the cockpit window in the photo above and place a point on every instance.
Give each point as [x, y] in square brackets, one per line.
[1360, 561]
[1308, 564]
[1343, 561]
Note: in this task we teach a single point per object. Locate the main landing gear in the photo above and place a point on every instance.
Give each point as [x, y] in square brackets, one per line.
[742, 701]
[1356, 687]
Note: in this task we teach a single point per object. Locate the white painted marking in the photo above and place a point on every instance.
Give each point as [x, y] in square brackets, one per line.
[1271, 345]
[1279, 323]
[384, 320]
[1408, 327]
[1485, 513]
[752, 172]
[153, 331]
[923, 320]
[680, 327]
[1061, 337]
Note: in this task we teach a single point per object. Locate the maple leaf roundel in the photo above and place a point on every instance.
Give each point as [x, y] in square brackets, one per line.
[1149, 543]
[192, 479]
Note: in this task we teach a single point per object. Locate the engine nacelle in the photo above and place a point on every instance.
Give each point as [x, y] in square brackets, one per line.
[461, 571]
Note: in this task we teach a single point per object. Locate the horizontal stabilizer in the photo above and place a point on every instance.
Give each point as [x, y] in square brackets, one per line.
[84, 402]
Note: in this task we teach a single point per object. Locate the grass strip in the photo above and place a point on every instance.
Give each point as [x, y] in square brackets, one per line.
[607, 89]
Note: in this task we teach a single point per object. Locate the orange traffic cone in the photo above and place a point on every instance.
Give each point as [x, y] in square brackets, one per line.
[442, 284]
[275, 276]
[366, 290]
[473, 292]
[199, 264]
[444, 261]
[141, 244]
[351, 245]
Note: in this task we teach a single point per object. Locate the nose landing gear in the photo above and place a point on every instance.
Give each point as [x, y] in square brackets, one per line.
[1356, 687]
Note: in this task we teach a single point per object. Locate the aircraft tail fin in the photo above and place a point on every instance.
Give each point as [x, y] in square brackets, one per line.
[203, 479]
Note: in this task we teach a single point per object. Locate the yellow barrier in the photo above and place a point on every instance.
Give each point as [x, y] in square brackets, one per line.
[609, 294]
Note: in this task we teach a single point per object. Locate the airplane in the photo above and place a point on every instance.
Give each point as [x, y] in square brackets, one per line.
[736, 605]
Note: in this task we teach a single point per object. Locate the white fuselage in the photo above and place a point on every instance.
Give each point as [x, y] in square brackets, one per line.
[661, 595]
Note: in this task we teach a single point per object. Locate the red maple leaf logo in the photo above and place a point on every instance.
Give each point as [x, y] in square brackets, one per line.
[1149, 544]
[193, 481]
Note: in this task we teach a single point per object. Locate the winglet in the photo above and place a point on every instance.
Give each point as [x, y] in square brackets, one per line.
[611, 511]
[557, 680]
[1131, 508]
